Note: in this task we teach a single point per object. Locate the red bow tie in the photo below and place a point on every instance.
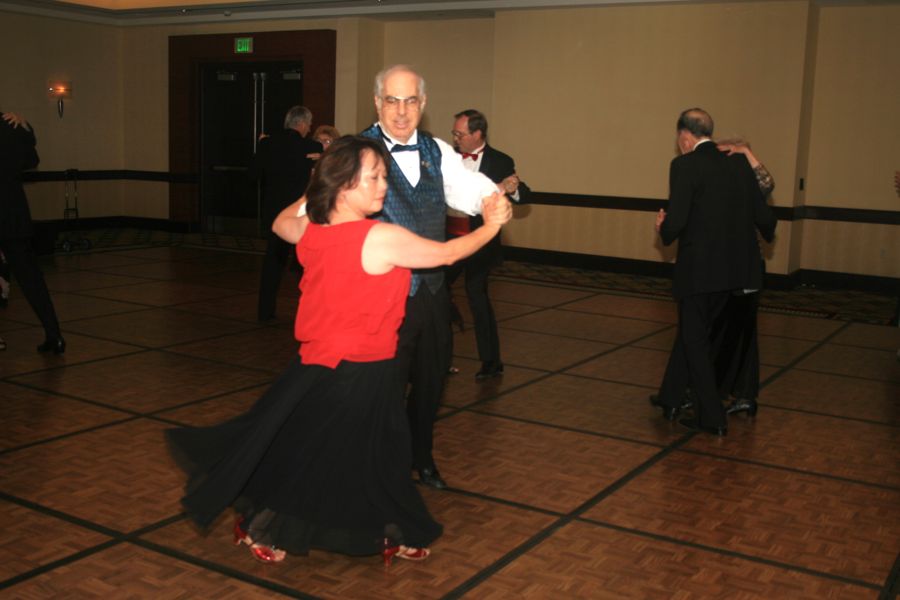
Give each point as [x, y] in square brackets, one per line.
[466, 155]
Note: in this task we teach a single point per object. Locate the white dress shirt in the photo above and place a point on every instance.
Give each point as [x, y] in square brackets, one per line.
[463, 189]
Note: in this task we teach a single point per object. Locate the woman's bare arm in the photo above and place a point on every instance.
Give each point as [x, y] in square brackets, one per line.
[288, 225]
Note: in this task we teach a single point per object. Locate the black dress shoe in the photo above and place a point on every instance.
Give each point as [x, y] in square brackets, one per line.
[695, 425]
[56, 345]
[670, 413]
[430, 477]
[741, 405]
[489, 370]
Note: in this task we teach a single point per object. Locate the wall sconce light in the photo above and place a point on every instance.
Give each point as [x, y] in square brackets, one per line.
[60, 90]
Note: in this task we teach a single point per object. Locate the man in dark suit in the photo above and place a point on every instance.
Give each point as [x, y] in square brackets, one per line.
[17, 155]
[715, 208]
[470, 140]
[283, 165]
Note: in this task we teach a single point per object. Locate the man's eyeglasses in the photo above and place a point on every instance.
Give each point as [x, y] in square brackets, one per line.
[408, 101]
[459, 134]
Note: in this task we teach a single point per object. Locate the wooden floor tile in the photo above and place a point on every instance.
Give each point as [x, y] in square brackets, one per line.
[502, 310]
[588, 405]
[582, 560]
[90, 281]
[158, 327]
[780, 351]
[664, 340]
[638, 366]
[29, 416]
[69, 307]
[169, 253]
[534, 294]
[814, 443]
[585, 326]
[476, 533]
[165, 270]
[242, 281]
[215, 410]
[462, 389]
[120, 476]
[836, 395]
[536, 465]
[21, 355]
[845, 529]
[157, 293]
[868, 363]
[32, 539]
[801, 502]
[883, 337]
[533, 350]
[88, 261]
[662, 311]
[146, 382]
[126, 571]
[240, 307]
[266, 348]
[804, 328]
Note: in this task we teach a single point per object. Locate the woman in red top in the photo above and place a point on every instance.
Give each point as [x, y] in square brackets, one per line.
[323, 459]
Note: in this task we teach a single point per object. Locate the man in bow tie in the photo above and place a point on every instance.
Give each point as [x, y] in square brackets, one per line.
[426, 175]
[470, 139]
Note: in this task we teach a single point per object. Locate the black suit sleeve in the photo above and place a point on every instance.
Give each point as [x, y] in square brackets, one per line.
[500, 166]
[679, 209]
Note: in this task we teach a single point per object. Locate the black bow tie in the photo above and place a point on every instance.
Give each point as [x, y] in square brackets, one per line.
[404, 148]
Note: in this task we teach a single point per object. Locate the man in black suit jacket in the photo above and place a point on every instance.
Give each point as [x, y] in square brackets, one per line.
[715, 208]
[283, 165]
[17, 155]
[470, 139]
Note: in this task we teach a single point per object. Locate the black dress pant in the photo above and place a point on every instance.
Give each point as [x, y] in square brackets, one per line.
[423, 351]
[24, 267]
[487, 337]
[691, 362]
[737, 356]
[278, 254]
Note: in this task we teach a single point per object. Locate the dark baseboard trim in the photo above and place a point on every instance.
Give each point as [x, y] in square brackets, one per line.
[110, 175]
[774, 281]
[56, 225]
[784, 213]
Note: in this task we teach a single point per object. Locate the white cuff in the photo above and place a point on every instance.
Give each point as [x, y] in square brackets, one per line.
[301, 212]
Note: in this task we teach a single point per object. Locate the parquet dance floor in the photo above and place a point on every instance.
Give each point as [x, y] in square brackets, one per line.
[565, 482]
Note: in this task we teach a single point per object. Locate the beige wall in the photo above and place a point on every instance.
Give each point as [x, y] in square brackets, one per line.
[584, 99]
[435, 49]
[855, 135]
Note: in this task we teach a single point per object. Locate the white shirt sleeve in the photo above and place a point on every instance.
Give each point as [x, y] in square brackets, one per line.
[463, 189]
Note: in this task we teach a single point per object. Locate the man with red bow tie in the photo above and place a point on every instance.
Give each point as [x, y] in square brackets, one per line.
[470, 140]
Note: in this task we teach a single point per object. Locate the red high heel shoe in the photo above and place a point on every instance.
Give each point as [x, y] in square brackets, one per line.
[404, 552]
[264, 554]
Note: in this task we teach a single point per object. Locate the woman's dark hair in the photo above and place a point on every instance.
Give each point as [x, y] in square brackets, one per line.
[337, 169]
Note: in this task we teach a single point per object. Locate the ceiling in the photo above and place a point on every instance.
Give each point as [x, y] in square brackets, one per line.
[150, 12]
[156, 12]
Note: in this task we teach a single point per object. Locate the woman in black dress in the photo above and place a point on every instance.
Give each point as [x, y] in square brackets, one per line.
[323, 458]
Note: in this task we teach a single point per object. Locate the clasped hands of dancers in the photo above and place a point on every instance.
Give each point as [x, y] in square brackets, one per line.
[322, 460]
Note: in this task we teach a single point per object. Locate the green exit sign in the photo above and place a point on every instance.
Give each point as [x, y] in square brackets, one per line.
[243, 45]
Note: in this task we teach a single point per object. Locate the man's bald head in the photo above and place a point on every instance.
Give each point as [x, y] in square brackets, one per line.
[697, 121]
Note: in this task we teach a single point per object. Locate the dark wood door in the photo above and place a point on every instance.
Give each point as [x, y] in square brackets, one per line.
[238, 103]
[189, 58]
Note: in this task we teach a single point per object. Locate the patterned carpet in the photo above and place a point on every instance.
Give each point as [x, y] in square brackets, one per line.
[843, 305]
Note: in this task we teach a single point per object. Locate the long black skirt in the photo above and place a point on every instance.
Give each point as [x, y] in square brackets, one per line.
[322, 460]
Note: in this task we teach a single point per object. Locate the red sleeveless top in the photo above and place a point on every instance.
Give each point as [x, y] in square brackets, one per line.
[345, 313]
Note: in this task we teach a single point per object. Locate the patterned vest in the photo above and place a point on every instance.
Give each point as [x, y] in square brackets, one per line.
[421, 209]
